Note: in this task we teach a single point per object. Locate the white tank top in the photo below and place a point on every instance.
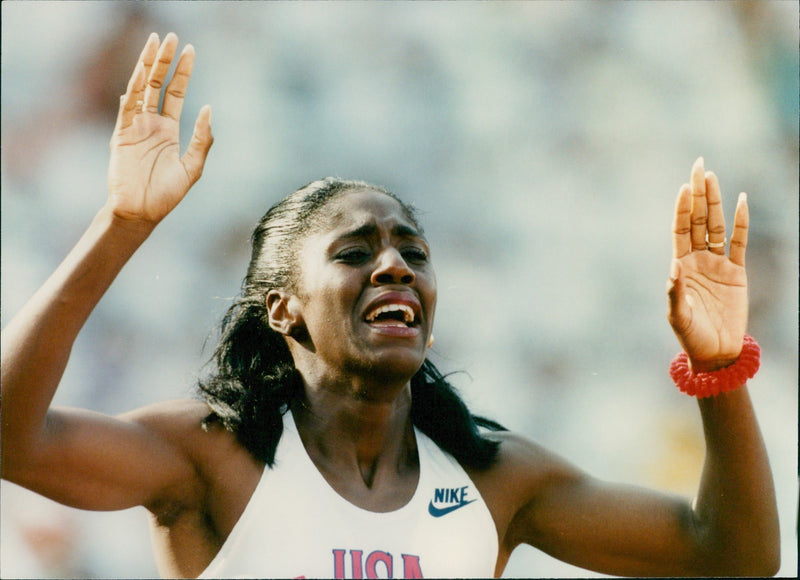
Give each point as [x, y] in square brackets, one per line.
[295, 525]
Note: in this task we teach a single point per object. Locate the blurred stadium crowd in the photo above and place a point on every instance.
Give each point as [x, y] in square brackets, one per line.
[543, 142]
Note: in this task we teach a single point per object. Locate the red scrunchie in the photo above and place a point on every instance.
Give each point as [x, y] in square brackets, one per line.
[721, 381]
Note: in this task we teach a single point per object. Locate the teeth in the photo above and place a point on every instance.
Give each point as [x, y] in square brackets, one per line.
[408, 313]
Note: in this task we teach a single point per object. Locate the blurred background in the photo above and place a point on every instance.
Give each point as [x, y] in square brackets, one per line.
[544, 144]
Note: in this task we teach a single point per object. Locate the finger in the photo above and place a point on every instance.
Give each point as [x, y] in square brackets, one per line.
[195, 157]
[146, 57]
[681, 223]
[176, 90]
[158, 73]
[148, 54]
[716, 219]
[128, 102]
[741, 223]
[699, 210]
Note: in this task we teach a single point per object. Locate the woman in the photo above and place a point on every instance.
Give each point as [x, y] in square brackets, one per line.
[326, 445]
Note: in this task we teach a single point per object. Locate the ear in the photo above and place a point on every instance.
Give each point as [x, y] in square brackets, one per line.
[284, 311]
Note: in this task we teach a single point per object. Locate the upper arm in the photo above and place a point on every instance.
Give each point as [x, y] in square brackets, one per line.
[93, 461]
[610, 528]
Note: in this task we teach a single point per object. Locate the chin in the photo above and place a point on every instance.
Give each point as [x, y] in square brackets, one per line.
[396, 366]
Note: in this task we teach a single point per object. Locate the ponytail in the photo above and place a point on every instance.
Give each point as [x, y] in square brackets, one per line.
[439, 412]
[255, 380]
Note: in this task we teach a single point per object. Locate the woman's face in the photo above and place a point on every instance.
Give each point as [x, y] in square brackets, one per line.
[367, 290]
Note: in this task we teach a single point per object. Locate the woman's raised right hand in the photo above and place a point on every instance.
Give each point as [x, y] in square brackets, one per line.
[147, 176]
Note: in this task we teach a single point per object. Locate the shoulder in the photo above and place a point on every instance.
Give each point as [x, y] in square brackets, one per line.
[522, 460]
[211, 451]
[182, 423]
[175, 413]
[196, 513]
[176, 422]
[523, 473]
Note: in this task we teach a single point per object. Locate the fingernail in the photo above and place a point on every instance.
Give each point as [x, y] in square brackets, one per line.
[743, 197]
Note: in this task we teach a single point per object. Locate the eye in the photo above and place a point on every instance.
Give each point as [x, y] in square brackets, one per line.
[353, 256]
[415, 255]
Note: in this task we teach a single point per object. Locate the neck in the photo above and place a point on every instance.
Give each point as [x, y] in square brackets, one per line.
[348, 429]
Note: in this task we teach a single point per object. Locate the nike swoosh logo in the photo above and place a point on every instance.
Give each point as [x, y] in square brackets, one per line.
[439, 512]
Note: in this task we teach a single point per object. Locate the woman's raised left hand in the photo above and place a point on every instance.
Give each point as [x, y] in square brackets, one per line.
[707, 289]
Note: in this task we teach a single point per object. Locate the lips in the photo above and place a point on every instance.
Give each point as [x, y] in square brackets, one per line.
[400, 313]
[394, 310]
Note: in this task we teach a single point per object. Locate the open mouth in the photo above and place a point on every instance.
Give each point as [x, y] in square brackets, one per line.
[397, 315]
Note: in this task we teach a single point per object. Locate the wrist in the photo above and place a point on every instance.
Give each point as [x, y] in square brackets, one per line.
[711, 366]
[136, 230]
[700, 383]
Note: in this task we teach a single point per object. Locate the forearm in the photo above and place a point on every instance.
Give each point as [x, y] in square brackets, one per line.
[37, 342]
[735, 510]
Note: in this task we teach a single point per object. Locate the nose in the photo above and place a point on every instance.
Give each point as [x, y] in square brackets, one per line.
[391, 268]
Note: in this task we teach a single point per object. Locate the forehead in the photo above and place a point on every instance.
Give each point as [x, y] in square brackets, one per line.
[355, 209]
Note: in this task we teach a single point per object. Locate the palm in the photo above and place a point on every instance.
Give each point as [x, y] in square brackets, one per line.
[716, 306]
[147, 176]
[708, 290]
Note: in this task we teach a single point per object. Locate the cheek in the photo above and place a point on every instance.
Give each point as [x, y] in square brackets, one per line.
[426, 283]
[334, 305]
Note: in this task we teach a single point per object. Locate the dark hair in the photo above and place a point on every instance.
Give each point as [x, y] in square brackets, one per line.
[254, 379]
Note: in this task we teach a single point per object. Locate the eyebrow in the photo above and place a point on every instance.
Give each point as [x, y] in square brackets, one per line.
[369, 229]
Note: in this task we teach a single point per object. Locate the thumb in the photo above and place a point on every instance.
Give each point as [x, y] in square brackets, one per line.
[195, 157]
[674, 269]
[678, 312]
